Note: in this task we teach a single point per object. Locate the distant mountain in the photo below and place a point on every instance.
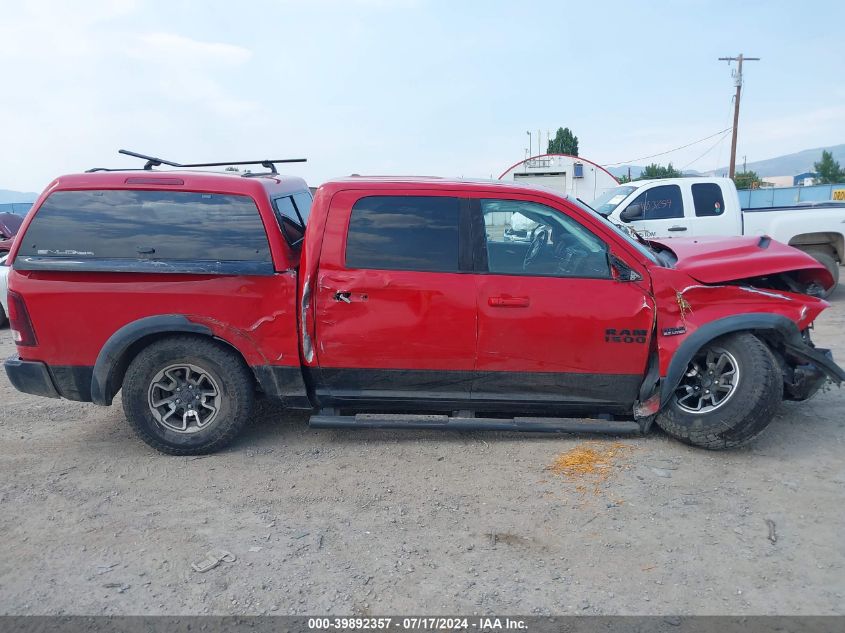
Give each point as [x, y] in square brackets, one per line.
[787, 165]
[790, 164]
[7, 195]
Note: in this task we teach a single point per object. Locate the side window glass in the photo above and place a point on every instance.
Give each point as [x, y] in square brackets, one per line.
[404, 233]
[293, 227]
[708, 200]
[150, 225]
[661, 203]
[527, 238]
[303, 201]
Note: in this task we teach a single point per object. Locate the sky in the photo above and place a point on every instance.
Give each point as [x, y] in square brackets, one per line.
[408, 86]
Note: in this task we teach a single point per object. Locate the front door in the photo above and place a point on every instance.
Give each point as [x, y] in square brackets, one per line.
[395, 309]
[555, 329]
[663, 213]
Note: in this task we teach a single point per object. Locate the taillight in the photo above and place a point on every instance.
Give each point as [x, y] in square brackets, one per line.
[22, 330]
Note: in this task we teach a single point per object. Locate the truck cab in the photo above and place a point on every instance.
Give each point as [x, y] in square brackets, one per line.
[697, 207]
[674, 207]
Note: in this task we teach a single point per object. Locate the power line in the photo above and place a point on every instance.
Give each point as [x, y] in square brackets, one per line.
[701, 140]
[710, 149]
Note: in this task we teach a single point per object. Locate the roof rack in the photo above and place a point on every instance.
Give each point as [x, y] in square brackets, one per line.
[152, 161]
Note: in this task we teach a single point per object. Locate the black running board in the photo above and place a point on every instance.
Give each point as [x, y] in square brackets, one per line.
[450, 423]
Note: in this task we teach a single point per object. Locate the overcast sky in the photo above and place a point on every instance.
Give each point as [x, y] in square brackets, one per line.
[407, 86]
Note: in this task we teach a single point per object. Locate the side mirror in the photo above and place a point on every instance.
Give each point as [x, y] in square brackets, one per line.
[632, 212]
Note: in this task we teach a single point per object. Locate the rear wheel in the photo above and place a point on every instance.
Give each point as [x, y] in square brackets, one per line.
[187, 396]
[727, 395]
[3, 318]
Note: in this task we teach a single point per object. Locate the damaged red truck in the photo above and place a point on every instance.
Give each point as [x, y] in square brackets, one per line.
[405, 303]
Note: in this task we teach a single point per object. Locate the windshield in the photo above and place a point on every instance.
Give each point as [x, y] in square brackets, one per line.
[623, 231]
[609, 200]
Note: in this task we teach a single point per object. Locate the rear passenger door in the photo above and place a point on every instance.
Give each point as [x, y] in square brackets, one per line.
[395, 307]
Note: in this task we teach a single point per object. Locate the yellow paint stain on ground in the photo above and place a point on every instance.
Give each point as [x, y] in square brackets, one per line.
[590, 464]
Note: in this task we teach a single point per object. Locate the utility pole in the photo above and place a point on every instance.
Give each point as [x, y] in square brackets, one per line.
[738, 82]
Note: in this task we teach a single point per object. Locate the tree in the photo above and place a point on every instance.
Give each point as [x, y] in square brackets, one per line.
[658, 171]
[624, 178]
[564, 142]
[747, 180]
[828, 170]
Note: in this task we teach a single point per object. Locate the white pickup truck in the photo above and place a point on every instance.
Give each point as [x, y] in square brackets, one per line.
[694, 207]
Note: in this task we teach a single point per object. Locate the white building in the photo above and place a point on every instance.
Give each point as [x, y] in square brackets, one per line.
[575, 175]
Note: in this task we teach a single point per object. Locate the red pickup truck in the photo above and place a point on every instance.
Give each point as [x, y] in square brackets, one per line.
[405, 303]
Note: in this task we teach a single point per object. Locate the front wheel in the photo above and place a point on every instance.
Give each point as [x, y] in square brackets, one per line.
[187, 396]
[727, 395]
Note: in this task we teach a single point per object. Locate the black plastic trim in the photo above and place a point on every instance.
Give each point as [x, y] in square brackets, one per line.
[111, 356]
[73, 381]
[499, 391]
[285, 383]
[30, 377]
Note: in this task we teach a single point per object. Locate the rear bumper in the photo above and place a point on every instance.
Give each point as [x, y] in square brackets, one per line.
[30, 377]
[39, 379]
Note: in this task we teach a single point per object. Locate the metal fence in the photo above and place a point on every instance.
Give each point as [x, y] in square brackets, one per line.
[18, 208]
[787, 196]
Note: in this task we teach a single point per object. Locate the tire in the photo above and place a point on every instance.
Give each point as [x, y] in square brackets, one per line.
[220, 384]
[743, 413]
[4, 320]
[828, 261]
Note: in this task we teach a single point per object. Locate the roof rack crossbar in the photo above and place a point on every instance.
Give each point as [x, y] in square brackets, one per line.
[152, 161]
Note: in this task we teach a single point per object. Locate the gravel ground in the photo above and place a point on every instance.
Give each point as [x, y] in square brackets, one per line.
[94, 522]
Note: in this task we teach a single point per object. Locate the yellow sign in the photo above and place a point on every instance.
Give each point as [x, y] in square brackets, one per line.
[838, 194]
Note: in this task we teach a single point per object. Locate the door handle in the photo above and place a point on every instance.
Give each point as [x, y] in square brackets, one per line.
[345, 297]
[677, 228]
[508, 302]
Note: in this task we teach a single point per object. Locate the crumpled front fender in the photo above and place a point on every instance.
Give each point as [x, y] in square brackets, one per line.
[780, 327]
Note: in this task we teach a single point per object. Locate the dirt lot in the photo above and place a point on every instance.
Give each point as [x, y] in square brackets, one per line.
[95, 522]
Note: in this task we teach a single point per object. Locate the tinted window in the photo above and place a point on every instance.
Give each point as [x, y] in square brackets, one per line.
[404, 233]
[707, 198]
[292, 227]
[303, 204]
[661, 203]
[526, 238]
[153, 225]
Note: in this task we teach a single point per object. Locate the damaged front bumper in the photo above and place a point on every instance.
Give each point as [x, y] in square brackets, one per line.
[812, 367]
